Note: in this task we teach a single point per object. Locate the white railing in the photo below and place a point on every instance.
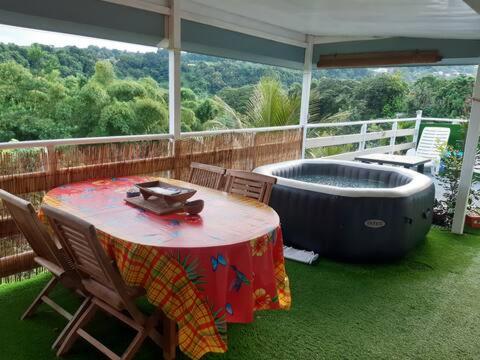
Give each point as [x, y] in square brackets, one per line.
[233, 131]
[453, 121]
[364, 135]
[361, 138]
[81, 141]
[132, 138]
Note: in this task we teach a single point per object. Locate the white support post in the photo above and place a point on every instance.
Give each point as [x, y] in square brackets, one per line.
[306, 84]
[363, 133]
[417, 127]
[469, 156]
[174, 57]
[393, 138]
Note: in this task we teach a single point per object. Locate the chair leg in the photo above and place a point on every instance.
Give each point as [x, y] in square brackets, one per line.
[135, 345]
[38, 300]
[150, 325]
[147, 331]
[73, 334]
[71, 323]
[169, 338]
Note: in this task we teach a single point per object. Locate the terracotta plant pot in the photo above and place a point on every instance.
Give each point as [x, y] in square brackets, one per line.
[472, 220]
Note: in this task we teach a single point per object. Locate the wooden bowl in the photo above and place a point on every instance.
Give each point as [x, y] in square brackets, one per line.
[183, 195]
[194, 207]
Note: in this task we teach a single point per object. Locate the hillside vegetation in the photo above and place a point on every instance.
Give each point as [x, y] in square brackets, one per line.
[66, 92]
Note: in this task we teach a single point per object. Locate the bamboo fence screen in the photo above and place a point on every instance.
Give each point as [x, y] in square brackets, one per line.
[29, 173]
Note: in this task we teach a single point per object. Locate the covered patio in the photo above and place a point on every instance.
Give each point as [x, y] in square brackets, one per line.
[421, 306]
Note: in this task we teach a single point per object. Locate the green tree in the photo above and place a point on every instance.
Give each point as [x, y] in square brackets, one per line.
[150, 116]
[452, 99]
[104, 73]
[444, 98]
[187, 95]
[189, 121]
[423, 95]
[380, 96]
[92, 98]
[41, 60]
[207, 110]
[329, 97]
[237, 98]
[116, 118]
[126, 90]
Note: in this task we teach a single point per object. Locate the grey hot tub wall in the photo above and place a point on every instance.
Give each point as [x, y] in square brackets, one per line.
[334, 225]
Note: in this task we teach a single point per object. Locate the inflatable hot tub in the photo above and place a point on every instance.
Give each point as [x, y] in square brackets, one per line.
[351, 211]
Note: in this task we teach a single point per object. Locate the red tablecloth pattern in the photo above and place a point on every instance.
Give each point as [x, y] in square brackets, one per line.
[201, 288]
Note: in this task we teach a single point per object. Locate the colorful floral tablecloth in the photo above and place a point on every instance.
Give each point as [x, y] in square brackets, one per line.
[203, 270]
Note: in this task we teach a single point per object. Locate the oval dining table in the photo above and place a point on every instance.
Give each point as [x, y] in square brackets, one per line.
[203, 270]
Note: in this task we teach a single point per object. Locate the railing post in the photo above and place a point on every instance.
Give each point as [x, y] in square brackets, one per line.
[306, 85]
[304, 139]
[417, 127]
[393, 138]
[469, 158]
[51, 166]
[363, 133]
[51, 160]
[174, 57]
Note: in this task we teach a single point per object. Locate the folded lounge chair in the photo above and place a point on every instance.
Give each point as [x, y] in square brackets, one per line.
[430, 146]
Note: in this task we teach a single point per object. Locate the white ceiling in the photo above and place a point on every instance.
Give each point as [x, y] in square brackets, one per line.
[383, 18]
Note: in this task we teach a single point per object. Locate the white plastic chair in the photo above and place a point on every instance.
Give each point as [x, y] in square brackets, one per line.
[430, 146]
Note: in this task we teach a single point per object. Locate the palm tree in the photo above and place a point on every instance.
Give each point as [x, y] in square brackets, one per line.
[270, 105]
[228, 118]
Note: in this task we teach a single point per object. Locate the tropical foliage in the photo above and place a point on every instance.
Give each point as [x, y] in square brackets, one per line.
[449, 180]
[66, 92]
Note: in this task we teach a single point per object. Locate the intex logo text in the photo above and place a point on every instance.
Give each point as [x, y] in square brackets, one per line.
[375, 223]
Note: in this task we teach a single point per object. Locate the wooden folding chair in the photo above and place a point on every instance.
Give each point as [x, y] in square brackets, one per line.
[47, 254]
[107, 291]
[249, 184]
[206, 175]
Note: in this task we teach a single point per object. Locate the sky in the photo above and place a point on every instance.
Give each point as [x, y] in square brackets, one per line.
[24, 36]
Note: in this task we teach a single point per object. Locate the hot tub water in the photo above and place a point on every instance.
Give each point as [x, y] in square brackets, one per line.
[341, 181]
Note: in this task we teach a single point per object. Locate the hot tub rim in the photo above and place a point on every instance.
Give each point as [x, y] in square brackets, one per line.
[419, 182]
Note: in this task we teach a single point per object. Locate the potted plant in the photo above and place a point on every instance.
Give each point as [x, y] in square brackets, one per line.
[472, 219]
[449, 177]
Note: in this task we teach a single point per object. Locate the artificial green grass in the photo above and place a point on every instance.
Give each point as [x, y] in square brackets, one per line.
[424, 307]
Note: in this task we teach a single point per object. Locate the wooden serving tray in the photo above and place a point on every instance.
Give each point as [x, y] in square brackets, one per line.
[155, 205]
[146, 189]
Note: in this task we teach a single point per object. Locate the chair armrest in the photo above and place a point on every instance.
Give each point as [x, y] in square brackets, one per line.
[53, 268]
[411, 152]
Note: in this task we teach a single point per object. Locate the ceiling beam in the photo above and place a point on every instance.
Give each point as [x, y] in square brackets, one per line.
[222, 19]
[229, 21]
[160, 8]
[338, 39]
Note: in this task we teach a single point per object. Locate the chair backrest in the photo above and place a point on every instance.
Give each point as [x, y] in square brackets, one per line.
[80, 240]
[249, 184]
[27, 221]
[206, 175]
[431, 142]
